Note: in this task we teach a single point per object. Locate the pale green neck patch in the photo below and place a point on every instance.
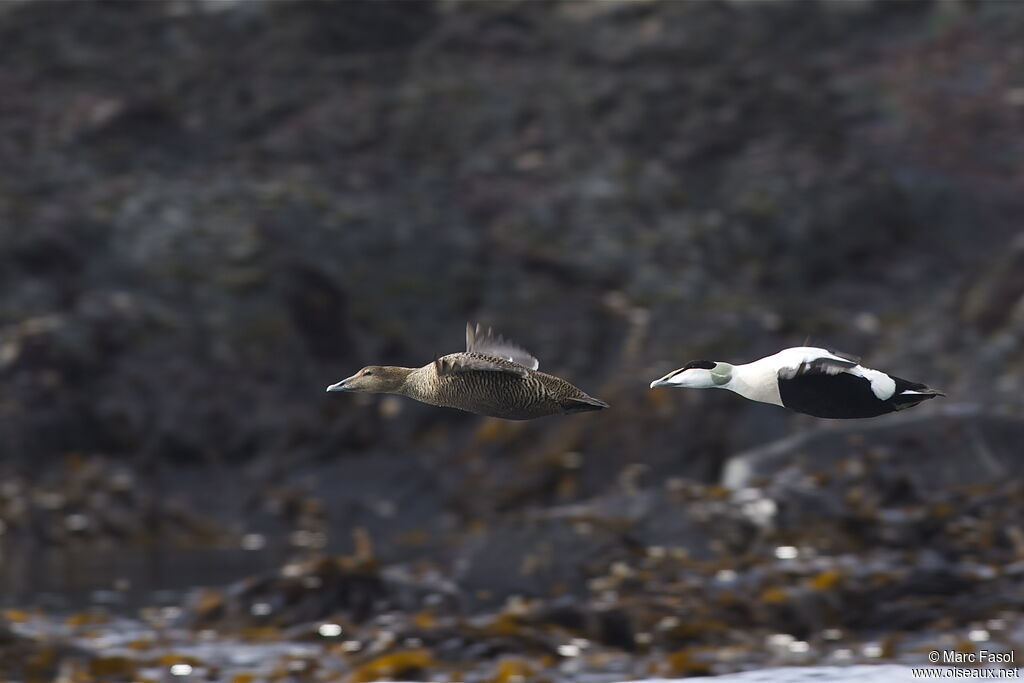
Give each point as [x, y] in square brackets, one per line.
[721, 374]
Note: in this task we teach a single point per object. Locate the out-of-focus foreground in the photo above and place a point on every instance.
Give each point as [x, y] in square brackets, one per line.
[212, 210]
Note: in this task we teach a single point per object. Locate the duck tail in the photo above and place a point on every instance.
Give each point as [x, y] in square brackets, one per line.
[909, 394]
[583, 404]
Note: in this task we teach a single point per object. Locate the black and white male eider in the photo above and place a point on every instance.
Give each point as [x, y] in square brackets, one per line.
[808, 380]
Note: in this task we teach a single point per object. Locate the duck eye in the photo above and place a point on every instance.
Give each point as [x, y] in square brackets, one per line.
[367, 372]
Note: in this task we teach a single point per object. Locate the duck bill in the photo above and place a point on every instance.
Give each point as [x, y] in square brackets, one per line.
[341, 386]
[665, 381]
[668, 380]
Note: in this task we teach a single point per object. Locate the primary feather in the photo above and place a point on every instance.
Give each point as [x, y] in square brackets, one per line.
[495, 345]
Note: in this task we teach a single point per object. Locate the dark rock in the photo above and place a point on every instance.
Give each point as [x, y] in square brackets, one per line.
[950, 447]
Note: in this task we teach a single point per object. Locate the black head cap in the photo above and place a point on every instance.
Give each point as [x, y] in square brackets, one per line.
[702, 364]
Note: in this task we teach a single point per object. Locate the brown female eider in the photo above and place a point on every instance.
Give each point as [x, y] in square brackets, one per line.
[491, 377]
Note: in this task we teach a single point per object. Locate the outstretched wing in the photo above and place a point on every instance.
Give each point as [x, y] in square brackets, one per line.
[491, 344]
[473, 362]
[845, 356]
[823, 362]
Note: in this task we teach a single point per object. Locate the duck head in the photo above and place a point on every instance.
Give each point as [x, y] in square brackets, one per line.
[698, 374]
[374, 379]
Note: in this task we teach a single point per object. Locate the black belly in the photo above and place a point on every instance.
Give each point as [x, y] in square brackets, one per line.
[840, 396]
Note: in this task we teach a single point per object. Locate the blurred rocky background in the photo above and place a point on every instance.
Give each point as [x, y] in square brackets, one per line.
[211, 210]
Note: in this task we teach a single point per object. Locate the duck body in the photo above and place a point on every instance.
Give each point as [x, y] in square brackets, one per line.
[492, 377]
[508, 395]
[807, 379]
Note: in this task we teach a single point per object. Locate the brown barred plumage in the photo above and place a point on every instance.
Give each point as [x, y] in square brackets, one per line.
[491, 378]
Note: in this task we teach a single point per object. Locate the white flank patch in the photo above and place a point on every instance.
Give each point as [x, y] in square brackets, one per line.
[882, 385]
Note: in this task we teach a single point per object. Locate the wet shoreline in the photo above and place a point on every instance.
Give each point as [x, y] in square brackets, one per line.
[850, 556]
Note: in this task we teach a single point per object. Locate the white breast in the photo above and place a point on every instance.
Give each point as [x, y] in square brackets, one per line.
[758, 381]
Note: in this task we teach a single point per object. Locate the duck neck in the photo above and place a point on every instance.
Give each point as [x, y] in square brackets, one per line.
[755, 381]
[415, 384]
[721, 375]
[394, 380]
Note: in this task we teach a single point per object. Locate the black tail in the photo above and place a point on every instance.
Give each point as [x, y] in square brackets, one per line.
[909, 394]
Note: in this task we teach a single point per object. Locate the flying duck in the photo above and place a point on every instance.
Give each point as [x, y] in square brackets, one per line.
[806, 379]
[492, 377]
